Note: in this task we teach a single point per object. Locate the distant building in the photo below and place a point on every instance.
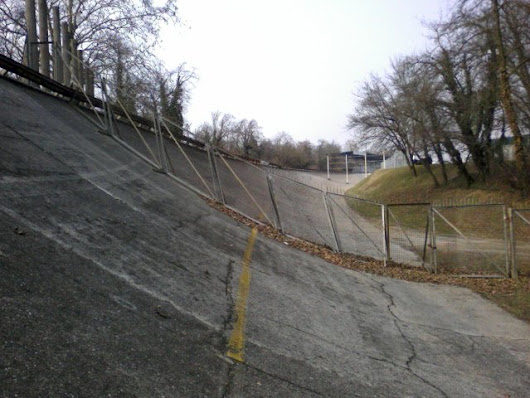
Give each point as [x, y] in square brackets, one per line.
[356, 162]
[397, 159]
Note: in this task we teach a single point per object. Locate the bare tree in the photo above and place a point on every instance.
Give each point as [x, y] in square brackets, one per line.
[218, 131]
[379, 120]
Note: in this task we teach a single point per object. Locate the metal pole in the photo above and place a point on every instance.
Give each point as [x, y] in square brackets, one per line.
[384, 160]
[274, 204]
[506, 244]
[347, 177]
[57, 61]
[165, 162]
[43, 38]
[386, 233]
[511, 222]
[74, 61]
[433, 242]
[31, 29]
[158, 142]
[332, 222]
[365, 166]
[66, 54]
[107, 109]
[215, 175]
[81, 72]
[89, 82]
[327, 163]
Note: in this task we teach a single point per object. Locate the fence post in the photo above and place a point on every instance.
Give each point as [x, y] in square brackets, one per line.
[506, 244]
[327, 164]
[433, 242]
[386, 232]
[107, 109]
[511, 223]
[273, 199]
[89, 82]
[157, 140]
[215, 175]
[159, 143]
[347, 176]
[80, 62]
[332, 222]
[365, 165]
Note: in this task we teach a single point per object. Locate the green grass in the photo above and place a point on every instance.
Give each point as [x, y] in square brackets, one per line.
[400, 186]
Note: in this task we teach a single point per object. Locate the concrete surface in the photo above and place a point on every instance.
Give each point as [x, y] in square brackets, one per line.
[117, 282]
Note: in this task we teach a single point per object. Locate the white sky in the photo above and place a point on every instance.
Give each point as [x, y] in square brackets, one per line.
[292, 65]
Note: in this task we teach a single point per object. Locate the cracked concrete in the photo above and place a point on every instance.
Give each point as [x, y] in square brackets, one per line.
[118, 282]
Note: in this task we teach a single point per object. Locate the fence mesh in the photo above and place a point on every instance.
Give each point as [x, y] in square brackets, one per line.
[359, 225]
[302, 211]
[246, 189]
[180, 160]
[521, 241]
[409, 237]
[141, 140]
[471, 240]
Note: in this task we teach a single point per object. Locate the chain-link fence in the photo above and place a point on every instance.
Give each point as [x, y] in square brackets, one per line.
[470, 240]
[473, 240]
[409, 238]
[358, 224]
[302, 211]
[465, 240]
[520, 239]
[246, 189]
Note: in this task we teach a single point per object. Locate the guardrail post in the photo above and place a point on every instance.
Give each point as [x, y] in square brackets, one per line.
[273, 199]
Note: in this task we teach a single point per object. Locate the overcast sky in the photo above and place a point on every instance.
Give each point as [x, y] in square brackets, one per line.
[292, 65]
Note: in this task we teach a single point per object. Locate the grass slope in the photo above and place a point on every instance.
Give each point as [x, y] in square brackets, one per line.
[400, 186]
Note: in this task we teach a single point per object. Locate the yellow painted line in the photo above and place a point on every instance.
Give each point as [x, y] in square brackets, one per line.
[236, 343]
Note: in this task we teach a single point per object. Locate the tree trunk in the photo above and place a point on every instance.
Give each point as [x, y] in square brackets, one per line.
[457, 160]
[439, 155]
[507, 103]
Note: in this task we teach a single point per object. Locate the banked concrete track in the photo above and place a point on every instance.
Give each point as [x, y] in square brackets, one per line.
[117, 282]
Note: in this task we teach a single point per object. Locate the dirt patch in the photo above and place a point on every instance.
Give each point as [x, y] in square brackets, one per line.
[512, 295]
